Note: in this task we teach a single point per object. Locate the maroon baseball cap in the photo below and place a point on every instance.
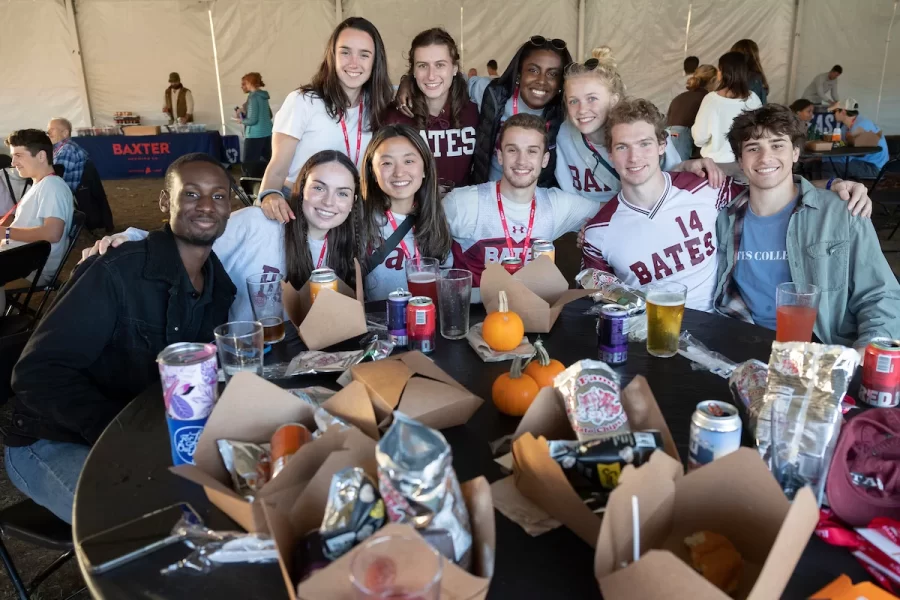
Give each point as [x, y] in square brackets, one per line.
[864, 478]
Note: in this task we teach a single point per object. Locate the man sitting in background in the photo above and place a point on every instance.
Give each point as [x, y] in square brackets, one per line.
[823, 89]
[96, 350]
[846, 112]
[66, 152]
[45, 211]
[786, 230]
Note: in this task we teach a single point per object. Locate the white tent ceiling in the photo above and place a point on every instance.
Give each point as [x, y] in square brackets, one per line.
[128, 47]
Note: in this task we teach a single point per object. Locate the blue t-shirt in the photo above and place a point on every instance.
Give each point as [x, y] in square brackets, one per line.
[864, 124]
[762, 262]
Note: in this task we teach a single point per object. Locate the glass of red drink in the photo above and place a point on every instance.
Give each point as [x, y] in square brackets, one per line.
[796, 307]
[396, 566]
[422, 274]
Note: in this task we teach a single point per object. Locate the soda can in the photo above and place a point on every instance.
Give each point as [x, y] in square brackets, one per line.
[285, 442]
[543, 248]
[320, 279]
[881, 373]
[611, 337]
[190, 389]
[511, 264]
[715, 432]
[421, 324]
[396, 317]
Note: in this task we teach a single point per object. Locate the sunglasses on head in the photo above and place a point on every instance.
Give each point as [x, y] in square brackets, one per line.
[540, 41]
[590, 64]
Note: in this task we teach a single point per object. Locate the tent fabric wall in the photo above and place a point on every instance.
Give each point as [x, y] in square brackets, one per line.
[281, 39]
[853, 35]
[41, 78]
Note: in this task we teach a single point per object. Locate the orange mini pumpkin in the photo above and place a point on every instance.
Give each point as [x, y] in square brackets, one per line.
[514, 392]
[503, 330]
[544, 369]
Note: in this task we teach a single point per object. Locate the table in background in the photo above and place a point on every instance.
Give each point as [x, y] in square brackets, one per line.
[126, 474]
[842, 152]
[125, 157]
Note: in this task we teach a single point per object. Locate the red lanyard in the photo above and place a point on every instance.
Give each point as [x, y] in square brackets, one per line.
[322, 254]
[403, 245]
[516, 101]
[358, 134]
[527, 240]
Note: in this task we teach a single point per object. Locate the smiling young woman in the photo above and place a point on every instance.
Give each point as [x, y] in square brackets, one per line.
[338, 110]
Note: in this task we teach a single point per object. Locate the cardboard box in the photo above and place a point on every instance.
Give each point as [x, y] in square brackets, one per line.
[289, 523]
[542, 480]
[410, 383]
[734, 496]
[865, 139]
[338, 317]
[237, 416]
[818, 146]
[141, 130]
[537, 292]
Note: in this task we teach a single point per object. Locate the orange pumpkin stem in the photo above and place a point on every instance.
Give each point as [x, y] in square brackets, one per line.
[515, 371]
[504, 302]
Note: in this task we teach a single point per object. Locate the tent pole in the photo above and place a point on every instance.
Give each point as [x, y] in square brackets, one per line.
[338, 11]
[581, 9]
[73, 23]
[799, 8]
[887, 47]
[212, 35]
[462, 40]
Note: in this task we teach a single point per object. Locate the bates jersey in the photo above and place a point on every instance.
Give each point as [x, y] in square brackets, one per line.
[674, 240]
[477, 231]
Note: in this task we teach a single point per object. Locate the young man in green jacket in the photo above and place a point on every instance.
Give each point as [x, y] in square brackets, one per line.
[787, 230]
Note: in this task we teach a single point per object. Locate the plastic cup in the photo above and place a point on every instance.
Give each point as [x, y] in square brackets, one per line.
[397, 567]
[241, 346]
[455, 292]
[422, 274]
[264, 290]
[665, 309]
[797, 305]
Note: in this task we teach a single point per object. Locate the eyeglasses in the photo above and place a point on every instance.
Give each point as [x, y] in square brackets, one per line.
[540, 41]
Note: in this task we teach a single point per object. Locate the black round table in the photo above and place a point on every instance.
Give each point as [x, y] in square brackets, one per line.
[841, 152]
[126, 474]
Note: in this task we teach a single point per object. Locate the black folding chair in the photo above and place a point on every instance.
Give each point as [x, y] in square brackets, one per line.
[19, 263]
[54, 283]
[241, 192]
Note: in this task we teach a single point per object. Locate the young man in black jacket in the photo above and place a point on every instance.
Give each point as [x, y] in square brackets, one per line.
[96, 349]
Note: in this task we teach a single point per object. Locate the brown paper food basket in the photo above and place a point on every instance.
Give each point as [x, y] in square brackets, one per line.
[250, 410]
[338, 317]
[734, 496]
[540, 478]
[410, 383]
[288, 523]
[537, 292]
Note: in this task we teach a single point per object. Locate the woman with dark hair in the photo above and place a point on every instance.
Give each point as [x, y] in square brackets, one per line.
[441, 109]
[683, 109]
[338, 110]
[400, 182]
[719, 108]
[532, 83]
[804, 109]
[759, 85]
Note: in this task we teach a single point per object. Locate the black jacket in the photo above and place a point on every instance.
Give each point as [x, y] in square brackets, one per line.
[492, 103]
[96, 349]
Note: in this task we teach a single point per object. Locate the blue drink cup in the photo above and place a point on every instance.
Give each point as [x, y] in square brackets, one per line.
[190, 390]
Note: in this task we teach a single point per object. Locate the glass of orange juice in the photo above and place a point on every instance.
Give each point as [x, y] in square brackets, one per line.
[796, 307]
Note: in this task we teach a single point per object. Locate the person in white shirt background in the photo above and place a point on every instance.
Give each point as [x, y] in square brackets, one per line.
[719, 108]
[327, 232]
[45, 211]
[399, 182]
[338, 110]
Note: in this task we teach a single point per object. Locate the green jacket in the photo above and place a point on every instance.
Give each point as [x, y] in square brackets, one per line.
[258, 122]
[832, 249]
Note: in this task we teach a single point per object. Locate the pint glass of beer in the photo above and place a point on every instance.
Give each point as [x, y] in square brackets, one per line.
[265, 299]
[665, 308]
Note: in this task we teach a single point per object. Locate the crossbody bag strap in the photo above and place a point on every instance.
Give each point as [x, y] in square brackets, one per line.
[389, 244]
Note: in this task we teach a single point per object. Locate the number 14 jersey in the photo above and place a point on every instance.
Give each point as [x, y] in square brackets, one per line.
[674, 240]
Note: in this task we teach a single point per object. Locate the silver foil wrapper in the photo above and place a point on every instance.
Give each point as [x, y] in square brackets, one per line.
[248, 464]
[325, 421]
[315, 395]
[802, 412]
[419, 486]
[610, 290]
[315, 361]
[591, 393]
[354, 512]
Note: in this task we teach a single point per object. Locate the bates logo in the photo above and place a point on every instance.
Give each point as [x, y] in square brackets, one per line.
[145, 149]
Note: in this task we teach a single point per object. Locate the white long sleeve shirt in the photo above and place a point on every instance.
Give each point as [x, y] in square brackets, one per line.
[713, 121]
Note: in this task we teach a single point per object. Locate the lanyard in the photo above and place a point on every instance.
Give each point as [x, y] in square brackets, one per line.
[322, 254]
[600, 159]
[516, 101]
[403, 246]
[527, 240]
[358, 134]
